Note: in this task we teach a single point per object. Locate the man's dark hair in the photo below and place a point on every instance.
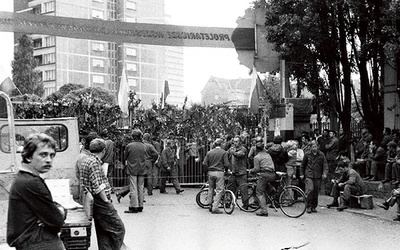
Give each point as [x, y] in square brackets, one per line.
[32, 142]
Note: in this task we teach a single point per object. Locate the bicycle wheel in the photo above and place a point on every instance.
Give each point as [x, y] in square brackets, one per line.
[292, 201]
[228, 201]
[202, 198]
[251, 204]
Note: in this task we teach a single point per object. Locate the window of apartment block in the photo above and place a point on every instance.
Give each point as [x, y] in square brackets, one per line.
[131, 52]
[98, 63]
[131, 67]
[98, 79]
[49, 75]
[49, 58]
[98, 14]
[131, 5]
[98, 46]
[49, 41]
[48, 7]
[132, 82]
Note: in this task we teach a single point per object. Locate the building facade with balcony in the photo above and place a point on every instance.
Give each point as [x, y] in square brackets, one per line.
[92, 63]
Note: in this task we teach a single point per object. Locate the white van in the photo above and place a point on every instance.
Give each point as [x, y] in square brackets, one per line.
[63, 130]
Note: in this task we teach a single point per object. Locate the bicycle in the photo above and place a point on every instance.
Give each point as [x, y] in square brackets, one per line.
[291, 199]
[228, 200]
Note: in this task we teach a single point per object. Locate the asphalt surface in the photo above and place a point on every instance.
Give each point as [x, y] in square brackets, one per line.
[171, 221]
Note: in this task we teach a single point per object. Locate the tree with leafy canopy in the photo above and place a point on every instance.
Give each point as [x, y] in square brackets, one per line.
[25, 76]
[334, 38]
[63, 91]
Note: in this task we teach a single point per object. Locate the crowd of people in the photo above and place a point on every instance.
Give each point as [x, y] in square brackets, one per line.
[313, 162]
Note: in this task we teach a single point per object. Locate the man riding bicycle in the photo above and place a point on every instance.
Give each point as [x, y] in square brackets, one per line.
[263, 165]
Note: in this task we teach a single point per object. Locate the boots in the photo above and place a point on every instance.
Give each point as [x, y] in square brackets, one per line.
[384, 205]
[334, 203]
[343, 204]
[132, 210]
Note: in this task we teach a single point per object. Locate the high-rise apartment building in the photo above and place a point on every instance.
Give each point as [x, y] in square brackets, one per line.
[93, 63]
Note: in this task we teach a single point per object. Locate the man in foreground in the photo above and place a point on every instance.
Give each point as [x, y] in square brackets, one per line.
[314, 168]
[34, 219]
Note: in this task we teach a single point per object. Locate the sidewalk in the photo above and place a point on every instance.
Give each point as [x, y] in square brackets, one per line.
[376, 212]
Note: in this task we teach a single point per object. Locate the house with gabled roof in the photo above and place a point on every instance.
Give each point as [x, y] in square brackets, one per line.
[220, 90]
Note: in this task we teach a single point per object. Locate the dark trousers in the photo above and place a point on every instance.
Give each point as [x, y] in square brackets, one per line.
[110, 229]
[172, 177]
[348, 190]
[312, 189]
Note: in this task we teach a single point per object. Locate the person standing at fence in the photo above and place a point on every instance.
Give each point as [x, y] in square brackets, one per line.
[34, 219]
[238, 159]
[314, 168]
[193, 160]
[216, 163]
[169, 168]
[151, 158]
[135, 166]
[108, 158]
[156, 169]
[110, 229]
[332, 154]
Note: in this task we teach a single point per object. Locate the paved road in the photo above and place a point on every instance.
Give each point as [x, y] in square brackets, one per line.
[171, 221]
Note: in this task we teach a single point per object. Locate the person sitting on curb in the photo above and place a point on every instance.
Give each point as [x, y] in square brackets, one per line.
[350, 182]
[394, 198]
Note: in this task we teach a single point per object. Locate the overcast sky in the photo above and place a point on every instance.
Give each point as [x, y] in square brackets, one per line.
[200, 63]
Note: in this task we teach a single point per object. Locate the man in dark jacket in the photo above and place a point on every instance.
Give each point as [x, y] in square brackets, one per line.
[314, 168]
[151, 158]
[34, 220]
[279, 154]
[169, 167]
[238, 158]
[135, 159]
[378, 159]
[350, 182]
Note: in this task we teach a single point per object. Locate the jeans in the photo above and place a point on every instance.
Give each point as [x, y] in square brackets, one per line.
[110, 229]
[136, 187]
[312, 189]
[263, 185]
[216, 182]
[234, 182]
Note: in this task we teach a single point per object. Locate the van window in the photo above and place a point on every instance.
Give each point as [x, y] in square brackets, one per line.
[57, 131]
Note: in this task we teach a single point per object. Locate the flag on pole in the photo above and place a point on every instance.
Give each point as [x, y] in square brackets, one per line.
[166, 90]
[123, 93]
[6, 84]
[165, 94]
[256, 92]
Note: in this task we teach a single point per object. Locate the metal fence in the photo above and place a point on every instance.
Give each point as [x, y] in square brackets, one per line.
[192, 172]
